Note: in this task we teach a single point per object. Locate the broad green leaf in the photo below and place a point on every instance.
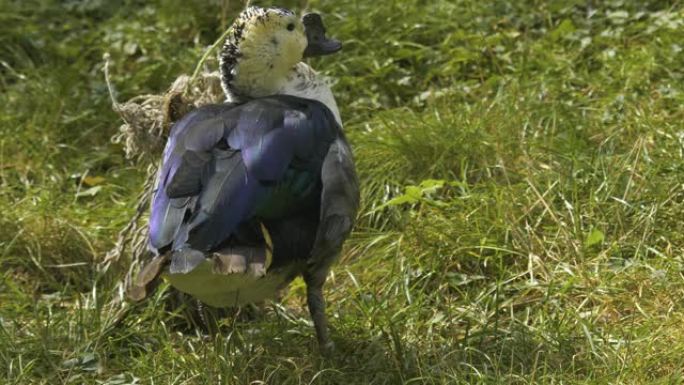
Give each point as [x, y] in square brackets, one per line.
[565, 28]
[594, 237]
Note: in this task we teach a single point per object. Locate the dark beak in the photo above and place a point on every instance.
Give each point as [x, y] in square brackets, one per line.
[318, 44]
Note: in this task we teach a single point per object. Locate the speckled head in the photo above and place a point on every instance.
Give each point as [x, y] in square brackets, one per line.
[262, 47]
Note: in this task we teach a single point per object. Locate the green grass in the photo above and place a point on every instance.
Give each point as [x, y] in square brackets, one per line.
[521, 165]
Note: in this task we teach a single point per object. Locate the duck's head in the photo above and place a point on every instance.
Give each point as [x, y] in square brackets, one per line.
[263, 46]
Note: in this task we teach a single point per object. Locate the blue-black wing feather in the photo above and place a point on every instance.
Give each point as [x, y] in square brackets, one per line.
[168, 211]
[340, 198]
[221, 162]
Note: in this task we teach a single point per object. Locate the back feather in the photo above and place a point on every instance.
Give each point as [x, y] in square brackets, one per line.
[222, 161]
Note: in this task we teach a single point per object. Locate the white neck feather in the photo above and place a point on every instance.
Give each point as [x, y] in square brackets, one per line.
[304, 82]
[301, 80]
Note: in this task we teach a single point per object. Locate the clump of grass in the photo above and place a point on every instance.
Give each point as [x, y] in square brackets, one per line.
[521, 168]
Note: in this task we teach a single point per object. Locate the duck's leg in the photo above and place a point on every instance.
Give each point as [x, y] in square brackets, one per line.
[316, 303]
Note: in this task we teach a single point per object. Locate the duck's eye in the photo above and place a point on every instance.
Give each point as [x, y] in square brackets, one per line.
[290, 27]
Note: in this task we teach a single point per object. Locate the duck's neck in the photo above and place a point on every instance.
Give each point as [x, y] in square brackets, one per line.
[304, 82]
[252, 76]
[247, 80]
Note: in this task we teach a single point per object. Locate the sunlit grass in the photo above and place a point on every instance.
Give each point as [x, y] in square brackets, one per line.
[537, 148]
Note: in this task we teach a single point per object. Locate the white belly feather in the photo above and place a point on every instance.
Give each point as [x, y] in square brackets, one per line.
[223, 290]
